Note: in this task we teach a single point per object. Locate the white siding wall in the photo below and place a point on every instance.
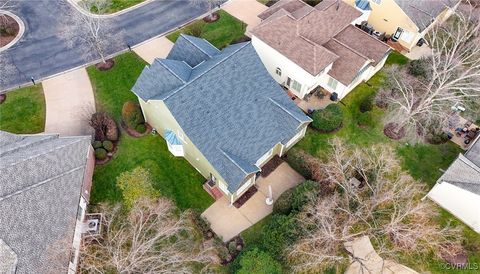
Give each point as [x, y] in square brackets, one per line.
[77, 236]
[273, 59]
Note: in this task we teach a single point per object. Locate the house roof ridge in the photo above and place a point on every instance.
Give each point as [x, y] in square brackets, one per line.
[195, 45]
[227, 155]
[351, 49]
[203, 73]
[2, 198]
[284, 109]
[169, 69]
[41, 153]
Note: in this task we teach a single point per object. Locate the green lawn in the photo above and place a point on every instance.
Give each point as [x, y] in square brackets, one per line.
[118, 5]
[23, 111]
[174, 177]
[220, 33]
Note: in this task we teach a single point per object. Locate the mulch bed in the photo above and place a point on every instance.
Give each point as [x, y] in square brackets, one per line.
[391, 131]
[135, 134]
[247, 195]
[109, 156]
[3, 97]
[270, 3]
[9, 29]
[239, 245]
[211, 18]
[105, 66]
[269, 167]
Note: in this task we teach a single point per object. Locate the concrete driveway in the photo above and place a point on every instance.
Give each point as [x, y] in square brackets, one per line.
[228, 221]
[246, 11]
[69, 102]
[156, 48]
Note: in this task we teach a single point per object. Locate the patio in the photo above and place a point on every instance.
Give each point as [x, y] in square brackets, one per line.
[461, 131]
[317, 99]
[228, 221]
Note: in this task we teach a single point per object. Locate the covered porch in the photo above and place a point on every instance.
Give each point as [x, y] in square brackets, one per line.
[227, 221]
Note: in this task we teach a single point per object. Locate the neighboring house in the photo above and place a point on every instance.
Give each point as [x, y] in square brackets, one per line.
[407, 21]
[44, 190]
[458, 190]
[220, 110]
[304, 47]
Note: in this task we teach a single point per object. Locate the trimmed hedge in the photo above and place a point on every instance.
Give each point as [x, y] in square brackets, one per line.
[108, 145]
[132, 114]
[97, 144]
[295, 198]
[141, 128]
[258, 261]
[328, 119]
[100, 153]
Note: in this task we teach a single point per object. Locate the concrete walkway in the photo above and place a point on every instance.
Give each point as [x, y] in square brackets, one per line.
[155, 48]
[366, 260]
[228, 221]
[69, 103]
[246, 11]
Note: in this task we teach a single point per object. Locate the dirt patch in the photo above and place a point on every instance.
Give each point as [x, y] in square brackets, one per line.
[211, 17]
[391, 131]
[105, 66]
[244, 198]
[3, 97]
[269, 167]
[135, 134]
[9, 29]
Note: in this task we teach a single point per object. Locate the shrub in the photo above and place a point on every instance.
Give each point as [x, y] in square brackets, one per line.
[132, 114]
[100, 153]
[104, 126]
[141, 128]
[366, 104]
[278, 233]
[295, 158]
[97, 144]
[365, 119]
[295, 198]
[196, 29]
[232, 247]
[328, 119]
[437, 139]
[108, 145]
[257, 261]
[136, 184]
[418, 68]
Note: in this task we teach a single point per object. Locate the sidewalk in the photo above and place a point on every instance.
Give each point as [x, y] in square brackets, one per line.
[246, 11]
[69, 102]
[156, 48]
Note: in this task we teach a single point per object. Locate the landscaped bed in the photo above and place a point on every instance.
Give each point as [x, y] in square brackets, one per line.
[220, 33]
[9, 29]
[23, 111]
[174, 177]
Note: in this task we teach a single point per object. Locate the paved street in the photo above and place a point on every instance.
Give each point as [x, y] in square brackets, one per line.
[41, 52]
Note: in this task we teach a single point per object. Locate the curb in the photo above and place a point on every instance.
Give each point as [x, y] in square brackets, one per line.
[20, 33]
[110, 15]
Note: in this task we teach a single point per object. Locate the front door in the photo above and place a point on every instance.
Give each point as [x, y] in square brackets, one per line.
[289, 81]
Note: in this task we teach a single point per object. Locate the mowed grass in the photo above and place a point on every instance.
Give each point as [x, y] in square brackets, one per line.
[118, 5]
[23, 111]
[220, 33]
[174, 177]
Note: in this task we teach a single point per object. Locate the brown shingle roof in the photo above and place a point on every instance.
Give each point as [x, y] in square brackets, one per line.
[363, 43]
[306, 36]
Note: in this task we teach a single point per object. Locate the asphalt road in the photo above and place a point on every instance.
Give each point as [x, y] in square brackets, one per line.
[42, 52]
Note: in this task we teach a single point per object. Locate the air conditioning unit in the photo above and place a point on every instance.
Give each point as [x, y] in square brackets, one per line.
[92, 224]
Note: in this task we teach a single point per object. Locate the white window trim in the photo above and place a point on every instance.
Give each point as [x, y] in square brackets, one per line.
[181, 136]
[333, 80]
[278, 71]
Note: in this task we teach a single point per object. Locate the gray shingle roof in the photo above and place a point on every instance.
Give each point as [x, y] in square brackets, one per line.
[423, 12]
[232, 110]
[192, 50]
[40, 187]
[8, 259]
[464, 174]
[473, 152]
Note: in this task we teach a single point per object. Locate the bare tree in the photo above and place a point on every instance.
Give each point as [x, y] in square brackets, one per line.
[211, 4]
[91, 31]
[374, 197]
[453, 76]
[151, 238]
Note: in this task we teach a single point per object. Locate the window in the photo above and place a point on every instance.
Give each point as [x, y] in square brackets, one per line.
[296, 85]
[397, 34]
[332, 83]
[278, 72]
[378, 2]
[180, 135]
